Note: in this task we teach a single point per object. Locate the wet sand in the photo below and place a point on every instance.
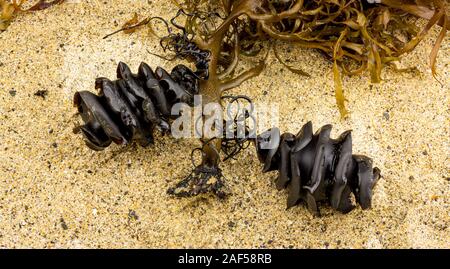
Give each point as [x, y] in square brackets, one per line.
[56, 193]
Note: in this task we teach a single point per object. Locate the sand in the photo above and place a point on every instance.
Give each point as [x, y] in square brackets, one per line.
[56, 193]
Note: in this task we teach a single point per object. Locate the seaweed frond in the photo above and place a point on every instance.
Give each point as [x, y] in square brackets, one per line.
[354, 35]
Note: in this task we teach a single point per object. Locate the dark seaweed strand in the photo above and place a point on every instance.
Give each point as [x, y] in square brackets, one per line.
[131, 107]
[315, 168]
[184, 48]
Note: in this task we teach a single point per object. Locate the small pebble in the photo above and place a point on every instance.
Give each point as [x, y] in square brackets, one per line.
[64, 224]
[41, 93]
[132, 215]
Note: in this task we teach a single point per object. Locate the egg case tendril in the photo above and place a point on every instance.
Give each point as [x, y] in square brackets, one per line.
[204, 178]
[207, 176]
[238, 125]
[131, 107]
[181, 44]
[315, 168]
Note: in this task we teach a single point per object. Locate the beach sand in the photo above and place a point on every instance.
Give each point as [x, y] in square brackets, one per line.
[57, 193]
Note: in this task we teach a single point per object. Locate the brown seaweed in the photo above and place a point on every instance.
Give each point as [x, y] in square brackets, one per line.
[354, 35]
[42, 4]
[9, 10]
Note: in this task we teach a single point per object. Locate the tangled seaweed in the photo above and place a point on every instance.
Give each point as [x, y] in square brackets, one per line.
[180, 44]
[239, 126]
[204, 178]
[354, 35]
[131, 107]
[315, 168]
[9, 10]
